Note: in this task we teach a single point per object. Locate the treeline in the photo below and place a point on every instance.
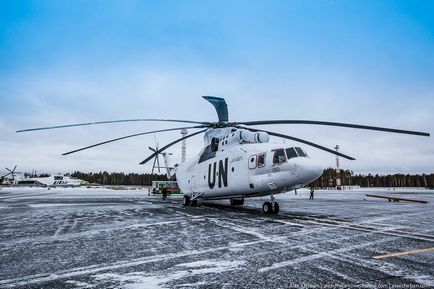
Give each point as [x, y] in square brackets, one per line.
[132, 179]
[348, 178]
[328, 179]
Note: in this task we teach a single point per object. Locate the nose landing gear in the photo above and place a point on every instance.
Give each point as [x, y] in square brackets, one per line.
[270, 208]
[188, 201]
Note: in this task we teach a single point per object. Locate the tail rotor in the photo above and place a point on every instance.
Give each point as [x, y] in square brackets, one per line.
[156, 159]
[157, 156]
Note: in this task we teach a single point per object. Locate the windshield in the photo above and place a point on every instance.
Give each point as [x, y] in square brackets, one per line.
[279, 156]
[290, 152]
[300, 152]
[295, 152]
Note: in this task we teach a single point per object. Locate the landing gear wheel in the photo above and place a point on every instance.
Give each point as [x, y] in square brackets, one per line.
[276, 208]
[237, 202]
[193, 203]
[186, 201]
[266, 208]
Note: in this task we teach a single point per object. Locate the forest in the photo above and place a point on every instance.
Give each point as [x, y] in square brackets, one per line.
[348, 178]
[130, 179]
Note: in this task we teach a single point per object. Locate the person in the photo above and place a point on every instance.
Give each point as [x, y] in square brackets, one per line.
[311, 193]
[164, 193]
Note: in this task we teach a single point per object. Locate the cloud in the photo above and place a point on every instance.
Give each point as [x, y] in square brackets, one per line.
[69, 96]
[65, 64]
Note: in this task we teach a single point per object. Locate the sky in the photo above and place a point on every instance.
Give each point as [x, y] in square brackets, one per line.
[367, 62]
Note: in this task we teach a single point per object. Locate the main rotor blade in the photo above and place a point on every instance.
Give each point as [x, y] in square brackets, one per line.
[129, 136]
[152, 149]
[220, 106]
[169, 145]
[112, 121]
[302, 141]
[328, 123]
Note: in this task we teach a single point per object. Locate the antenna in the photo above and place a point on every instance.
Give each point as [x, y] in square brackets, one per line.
[184, 132]
[338, 170]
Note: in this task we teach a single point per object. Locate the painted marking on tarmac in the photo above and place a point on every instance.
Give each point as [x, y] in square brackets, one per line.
[320, 255]
[402, 253]
[360, 227]
[92, 269]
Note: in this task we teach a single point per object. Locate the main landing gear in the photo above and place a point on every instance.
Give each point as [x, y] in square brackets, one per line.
[237, 202]
[186, 201]
[270, 208]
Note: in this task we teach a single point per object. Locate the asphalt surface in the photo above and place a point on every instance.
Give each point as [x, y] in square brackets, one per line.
[98, 238]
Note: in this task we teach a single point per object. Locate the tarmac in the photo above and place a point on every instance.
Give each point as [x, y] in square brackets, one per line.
[102, 238]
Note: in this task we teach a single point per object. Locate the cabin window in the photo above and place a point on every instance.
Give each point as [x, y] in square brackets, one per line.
[261, 160]
[57, 178]
[300, 152]
[252, 162]
[279, 156]
[291, 153]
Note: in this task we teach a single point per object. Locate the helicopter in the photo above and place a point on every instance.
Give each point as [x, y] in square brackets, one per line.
[237, 160]
[9, 181]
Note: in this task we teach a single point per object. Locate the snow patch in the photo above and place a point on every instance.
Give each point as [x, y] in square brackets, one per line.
[158, 281]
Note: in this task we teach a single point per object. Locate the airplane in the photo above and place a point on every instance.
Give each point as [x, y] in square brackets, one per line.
[238, 161]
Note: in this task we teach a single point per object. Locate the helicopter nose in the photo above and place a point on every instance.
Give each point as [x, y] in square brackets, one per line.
[314, 171]
[309, 170]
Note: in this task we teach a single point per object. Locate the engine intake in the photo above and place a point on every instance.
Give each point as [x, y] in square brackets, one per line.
[262, 137]
[250, 137]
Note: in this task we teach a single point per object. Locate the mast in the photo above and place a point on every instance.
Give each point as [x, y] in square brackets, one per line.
[184, 132]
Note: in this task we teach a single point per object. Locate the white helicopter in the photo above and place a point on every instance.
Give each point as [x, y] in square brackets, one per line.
[238, 161]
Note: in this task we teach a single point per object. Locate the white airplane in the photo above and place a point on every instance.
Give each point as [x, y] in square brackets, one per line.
[51, 181]
[238, 161]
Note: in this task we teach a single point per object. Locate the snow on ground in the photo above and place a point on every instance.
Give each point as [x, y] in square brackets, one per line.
[103, 238]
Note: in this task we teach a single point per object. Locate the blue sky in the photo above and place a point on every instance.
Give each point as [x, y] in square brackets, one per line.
[369, 62]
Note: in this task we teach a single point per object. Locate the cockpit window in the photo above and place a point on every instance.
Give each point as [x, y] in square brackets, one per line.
[279, 156]
[300, 152]
[290, 152]
[214, 144]
[209, 151]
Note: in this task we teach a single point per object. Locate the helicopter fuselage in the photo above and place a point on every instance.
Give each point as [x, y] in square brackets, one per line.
[240, 170]
[237, 160]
